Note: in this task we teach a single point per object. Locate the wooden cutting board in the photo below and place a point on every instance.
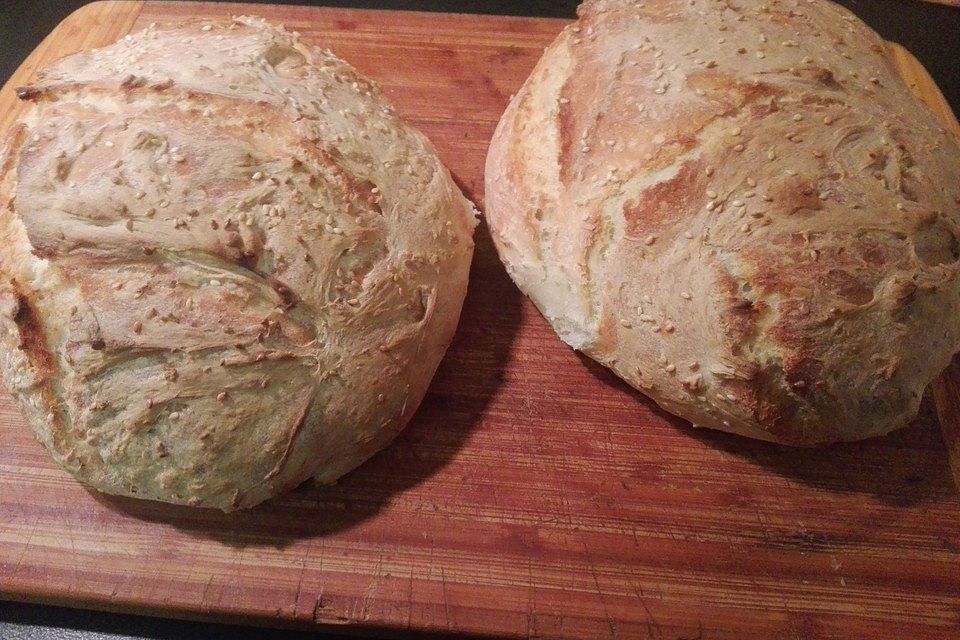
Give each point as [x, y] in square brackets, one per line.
[533, 495]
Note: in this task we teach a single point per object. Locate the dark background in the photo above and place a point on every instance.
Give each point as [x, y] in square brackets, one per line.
[931, 32]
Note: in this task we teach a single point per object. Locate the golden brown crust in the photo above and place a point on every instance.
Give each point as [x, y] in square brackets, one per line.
[739, 208]
[228, 266]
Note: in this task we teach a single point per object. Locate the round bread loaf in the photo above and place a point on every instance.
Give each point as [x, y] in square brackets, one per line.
[741, 209]
[228, 266]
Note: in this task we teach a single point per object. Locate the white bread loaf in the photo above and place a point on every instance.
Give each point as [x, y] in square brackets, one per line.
[741, 209]
[227, 265]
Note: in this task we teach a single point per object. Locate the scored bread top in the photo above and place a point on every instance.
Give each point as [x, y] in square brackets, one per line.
[228, 265]
[740, 208]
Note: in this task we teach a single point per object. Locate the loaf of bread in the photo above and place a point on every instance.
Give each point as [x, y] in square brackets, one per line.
[741, 209]
[227, 265]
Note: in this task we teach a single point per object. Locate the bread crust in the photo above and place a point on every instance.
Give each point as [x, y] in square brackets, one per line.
[741, 209]
[228, 266]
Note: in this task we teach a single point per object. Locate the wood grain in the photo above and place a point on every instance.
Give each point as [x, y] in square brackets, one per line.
[534, 494]
[946, 395]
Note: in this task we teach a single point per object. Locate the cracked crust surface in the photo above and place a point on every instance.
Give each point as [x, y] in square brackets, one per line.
[741, 209]
[227, 265]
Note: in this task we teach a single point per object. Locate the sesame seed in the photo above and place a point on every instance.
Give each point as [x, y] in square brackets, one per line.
[827, 120]
[736, 131]
[709, 171]
[650, 240]
[688, 235]
[206, 27]
[175, 415]
[139, 195]
[761, 54]
[738, 148]
[137, 327]
[751, 182]
[797, 117]
[222, 396]
[686, 295]
[670, 368]
[564, 100]
[257, 176]
[711, 193]
[108, 143]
